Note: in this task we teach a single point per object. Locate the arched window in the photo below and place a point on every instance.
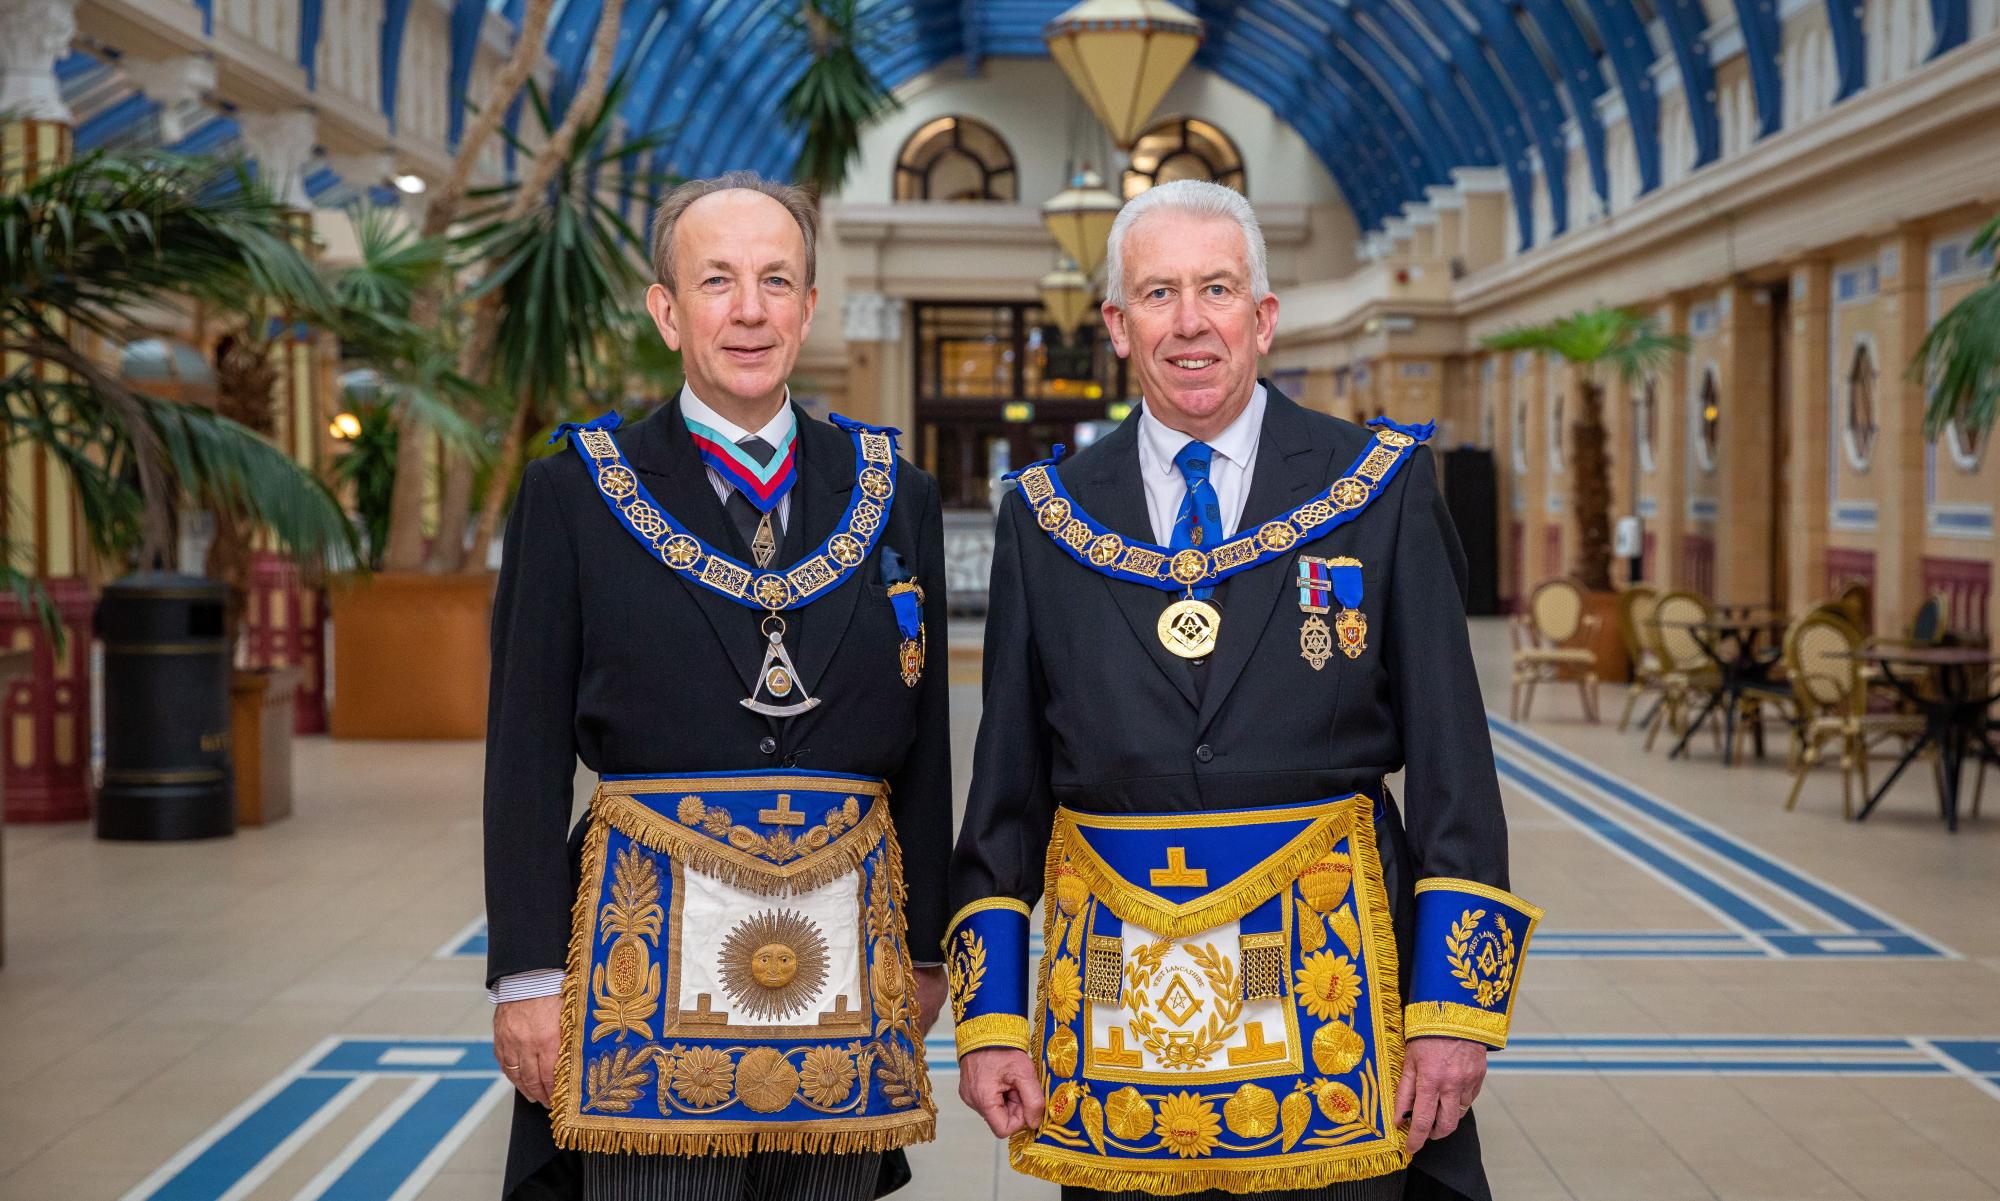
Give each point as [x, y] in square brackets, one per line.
[1859, 434]
[1183, 148]
[1708, 420]
[955, 158]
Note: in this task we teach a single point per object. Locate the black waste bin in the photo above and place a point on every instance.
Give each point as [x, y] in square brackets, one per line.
[166, 710]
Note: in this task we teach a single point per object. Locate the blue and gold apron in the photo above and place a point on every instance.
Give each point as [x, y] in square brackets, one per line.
[738, 975]
[1217, 1005]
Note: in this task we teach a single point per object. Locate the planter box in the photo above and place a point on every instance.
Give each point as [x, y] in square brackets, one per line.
[13, 664]
[262, 710]
[1607, 645]
[410, 655]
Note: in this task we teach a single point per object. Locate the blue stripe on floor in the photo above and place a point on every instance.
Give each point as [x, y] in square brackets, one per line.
[403, 1155]
[393, 1157]
[1859, 931]
[1731, 905]
[241, 1148]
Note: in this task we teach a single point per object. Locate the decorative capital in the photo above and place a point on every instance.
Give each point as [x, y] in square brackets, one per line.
[282, 145]
[871, 317]
[171, 83]
[364, 170]
[38, 33]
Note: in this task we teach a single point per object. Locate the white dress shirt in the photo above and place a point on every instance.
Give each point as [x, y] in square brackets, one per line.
[1228, 470]
[546, 982]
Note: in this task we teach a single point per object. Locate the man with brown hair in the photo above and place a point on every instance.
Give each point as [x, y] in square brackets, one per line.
[722, 610]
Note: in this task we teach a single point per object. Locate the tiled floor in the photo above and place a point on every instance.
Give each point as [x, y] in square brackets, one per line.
[161, 1005]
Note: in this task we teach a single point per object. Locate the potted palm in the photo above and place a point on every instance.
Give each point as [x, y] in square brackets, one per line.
[1599, 342]
[113, 234]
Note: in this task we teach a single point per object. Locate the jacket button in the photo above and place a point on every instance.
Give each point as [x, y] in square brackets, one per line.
[769, 745]
[1203, 753]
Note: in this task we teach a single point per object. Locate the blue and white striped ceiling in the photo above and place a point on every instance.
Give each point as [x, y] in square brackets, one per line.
[1390, 94]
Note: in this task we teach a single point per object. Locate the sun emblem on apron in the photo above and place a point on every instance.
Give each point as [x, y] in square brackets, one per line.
[773, 963]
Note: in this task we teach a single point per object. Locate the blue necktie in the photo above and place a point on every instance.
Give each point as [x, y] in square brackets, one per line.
[1199, 524]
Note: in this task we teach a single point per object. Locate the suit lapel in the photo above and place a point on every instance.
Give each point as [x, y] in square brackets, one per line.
[1116, 496]
[826, 483]
[660, 450]
[1291, 466]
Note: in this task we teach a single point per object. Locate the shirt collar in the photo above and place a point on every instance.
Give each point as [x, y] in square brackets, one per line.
[1237, 442]
[774, 433]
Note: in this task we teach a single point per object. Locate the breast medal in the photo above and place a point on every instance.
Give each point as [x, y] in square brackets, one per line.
[773, 591]
[1190, 626]
[1315, 640]
[1350, 627]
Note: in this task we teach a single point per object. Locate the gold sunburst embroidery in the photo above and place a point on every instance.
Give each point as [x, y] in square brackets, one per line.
[773, 963]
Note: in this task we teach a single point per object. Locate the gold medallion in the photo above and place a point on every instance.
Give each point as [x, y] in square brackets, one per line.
[1315, 641]
[1353, 630]
[1189, 627]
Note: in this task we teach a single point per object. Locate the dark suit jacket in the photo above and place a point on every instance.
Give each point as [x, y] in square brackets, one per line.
[601, 652]
[1085, 708]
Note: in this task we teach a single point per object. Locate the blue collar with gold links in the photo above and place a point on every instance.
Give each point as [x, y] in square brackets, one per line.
[820, 572]
[1098, 548]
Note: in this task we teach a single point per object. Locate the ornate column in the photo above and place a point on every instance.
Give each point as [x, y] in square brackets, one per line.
[171, 83]
[1900, 444]
[45, 716]
[1746, 493]
[1810, 384]
[283, 626]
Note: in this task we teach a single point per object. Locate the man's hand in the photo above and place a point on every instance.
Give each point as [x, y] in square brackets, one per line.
[527, 1037]
[1441, 1076]
[930, 997]
[1000, 1085]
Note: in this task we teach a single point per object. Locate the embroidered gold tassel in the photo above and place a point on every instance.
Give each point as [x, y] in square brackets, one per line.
[1103, 967]
[1263, 965]
[739, 869]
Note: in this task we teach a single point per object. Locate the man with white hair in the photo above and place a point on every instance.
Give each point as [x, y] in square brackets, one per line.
[1262, 975]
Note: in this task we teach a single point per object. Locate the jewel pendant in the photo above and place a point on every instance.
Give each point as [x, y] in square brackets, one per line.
[777, 680]
[1189, 627]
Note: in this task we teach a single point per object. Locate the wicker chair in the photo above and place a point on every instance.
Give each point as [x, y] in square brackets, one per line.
[1857, 600]
[1833, 700]
[1543, 650]
[1686, 673]
[1635, 610]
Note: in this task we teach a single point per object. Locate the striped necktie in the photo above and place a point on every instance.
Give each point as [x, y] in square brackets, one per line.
[756, 525]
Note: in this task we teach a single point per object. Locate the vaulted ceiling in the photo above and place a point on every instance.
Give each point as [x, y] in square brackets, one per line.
[1391, 95]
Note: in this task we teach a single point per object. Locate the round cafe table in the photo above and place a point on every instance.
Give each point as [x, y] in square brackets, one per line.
[1742, 643]
[1955, 712]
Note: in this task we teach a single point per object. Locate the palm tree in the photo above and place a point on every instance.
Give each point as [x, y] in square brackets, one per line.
[1599, 342]
[85, 247]
[1958, 361]
[838, 95]
[564, 272]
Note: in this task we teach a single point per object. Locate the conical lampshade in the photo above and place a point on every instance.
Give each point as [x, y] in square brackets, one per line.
[1079, 218]
[1123, 55]
[1066, 297]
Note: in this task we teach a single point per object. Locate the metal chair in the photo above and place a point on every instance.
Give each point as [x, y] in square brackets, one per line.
[1555, 617]
[1832, 699]
[1635, 609]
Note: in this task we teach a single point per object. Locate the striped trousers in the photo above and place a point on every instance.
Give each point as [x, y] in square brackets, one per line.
[759, 1176]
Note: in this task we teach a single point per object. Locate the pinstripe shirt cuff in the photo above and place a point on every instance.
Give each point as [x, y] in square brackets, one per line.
[542, 982]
